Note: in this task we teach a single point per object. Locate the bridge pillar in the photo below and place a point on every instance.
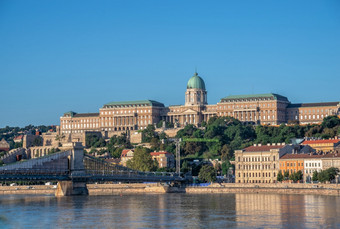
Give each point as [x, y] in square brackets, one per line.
[71, 188]
[77, 185]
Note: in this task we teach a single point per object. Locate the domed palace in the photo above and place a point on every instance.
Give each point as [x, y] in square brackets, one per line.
[264, 109]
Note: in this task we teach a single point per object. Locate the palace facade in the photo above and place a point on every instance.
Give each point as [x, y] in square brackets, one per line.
[270, 108]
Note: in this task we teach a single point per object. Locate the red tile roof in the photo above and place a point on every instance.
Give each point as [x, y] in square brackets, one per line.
[158, 153]
[300, 156]
[20, 137]
[308, 142]
[125, 151]
[262, 148]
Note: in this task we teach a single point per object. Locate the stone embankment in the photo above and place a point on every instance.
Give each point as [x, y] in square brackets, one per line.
[27, 190]
[317, 189]
[128, 189]
[94, 189]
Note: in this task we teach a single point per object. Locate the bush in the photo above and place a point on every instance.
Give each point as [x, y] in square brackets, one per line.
[207, 174]
[280, 176]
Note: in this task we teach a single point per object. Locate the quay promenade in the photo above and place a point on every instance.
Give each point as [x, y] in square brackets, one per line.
[156, 188]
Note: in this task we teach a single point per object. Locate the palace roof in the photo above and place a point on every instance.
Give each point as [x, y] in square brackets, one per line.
[256, 96]
[86, 115]
[136, 103]
[326, 104]
[259, 148]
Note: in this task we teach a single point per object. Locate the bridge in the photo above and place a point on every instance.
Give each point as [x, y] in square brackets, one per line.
[73, 169]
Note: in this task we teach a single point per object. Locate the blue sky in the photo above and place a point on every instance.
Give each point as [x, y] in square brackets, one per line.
[57, 56]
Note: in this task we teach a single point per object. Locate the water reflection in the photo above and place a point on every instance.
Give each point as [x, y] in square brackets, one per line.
[170, 211]
[287, 211]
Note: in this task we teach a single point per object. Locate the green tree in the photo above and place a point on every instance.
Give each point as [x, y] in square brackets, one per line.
[93, 140]
[207, 174]
[280, 176]
[142, 160]
[148, 133]
[328, 174]
[323, 176]
[185, 167]
[226, 153]
[315, 176]
[155, 143]
[333, 172]
[331, 121]
[286, 175]
[225, 167]
[17, 145]
[296, 176]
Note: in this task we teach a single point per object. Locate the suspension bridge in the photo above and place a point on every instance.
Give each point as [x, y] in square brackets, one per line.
[73, 169]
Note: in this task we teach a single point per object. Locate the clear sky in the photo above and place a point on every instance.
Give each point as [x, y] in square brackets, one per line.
[57, 56]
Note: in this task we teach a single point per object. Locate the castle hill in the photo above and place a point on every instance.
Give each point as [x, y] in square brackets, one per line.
[169, 114]
[261, 139]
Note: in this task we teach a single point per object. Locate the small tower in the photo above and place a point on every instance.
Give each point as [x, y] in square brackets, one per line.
[195, 93]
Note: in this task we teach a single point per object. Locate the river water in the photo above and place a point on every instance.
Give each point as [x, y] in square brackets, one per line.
[171, 211]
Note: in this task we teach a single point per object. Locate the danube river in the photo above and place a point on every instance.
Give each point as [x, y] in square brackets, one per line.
[171, 211]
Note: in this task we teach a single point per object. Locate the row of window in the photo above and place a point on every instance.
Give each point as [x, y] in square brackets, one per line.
[313, 164]
[256, 181]
[126, 117]
[77, 126]
[79, 120]
[256, 174]
[290, 164]
[254, 159]
[248, 106]
[255, 167]
[123, 112]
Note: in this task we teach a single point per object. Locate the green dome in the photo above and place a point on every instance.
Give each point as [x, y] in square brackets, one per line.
[196, 82]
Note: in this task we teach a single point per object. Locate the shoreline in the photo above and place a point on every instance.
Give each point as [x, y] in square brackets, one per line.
[154, 188]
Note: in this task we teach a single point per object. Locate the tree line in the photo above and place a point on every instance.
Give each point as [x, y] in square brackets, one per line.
[231, 134]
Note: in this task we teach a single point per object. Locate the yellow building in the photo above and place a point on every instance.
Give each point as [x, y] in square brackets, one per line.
[127, 154]
[164, 159]
[323, 144]
[259, 163]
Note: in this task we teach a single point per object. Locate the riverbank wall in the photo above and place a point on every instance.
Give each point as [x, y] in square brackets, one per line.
[153, 188]
[314, 189]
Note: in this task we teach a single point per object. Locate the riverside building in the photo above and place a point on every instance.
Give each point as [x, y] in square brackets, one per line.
[270, 108]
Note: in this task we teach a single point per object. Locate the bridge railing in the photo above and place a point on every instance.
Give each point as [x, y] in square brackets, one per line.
[29, 172]
[35, 162]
